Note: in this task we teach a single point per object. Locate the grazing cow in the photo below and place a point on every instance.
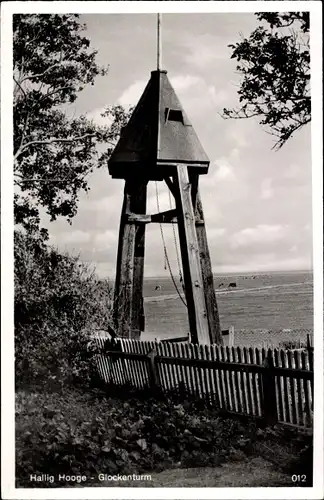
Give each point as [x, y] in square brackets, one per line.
[221, 284]
[158, 287]
[232, 285]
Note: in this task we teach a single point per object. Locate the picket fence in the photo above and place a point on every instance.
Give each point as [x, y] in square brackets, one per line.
[271, 384]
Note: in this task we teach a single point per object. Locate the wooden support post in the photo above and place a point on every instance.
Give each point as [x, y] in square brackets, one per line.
[128, 295]
[231, 336]
[138, 205]
[124, 270]
[198, 321]
[194, 181]
[310, 351]
[215, 334]
[269, 391]
[153, 373]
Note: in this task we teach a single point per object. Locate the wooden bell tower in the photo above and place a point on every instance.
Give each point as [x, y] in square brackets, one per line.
[160, 144]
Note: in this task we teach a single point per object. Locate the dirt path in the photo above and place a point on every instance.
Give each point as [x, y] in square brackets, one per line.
[255, 472]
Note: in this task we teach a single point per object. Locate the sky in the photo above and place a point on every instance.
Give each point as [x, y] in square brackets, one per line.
[257, 202]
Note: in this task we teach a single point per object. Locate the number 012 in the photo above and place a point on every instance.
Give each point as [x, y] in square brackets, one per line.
[297, 478]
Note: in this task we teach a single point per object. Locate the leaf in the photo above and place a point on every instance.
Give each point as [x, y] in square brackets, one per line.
[142, 444]
[106, 449]
[135, 455]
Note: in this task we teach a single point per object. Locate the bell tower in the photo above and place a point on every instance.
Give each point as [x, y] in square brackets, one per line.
[160, 144]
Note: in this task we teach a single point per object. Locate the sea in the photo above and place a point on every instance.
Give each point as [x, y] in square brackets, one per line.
[268, 301]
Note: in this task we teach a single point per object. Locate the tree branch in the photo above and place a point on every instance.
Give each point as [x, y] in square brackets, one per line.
[59, 89]
[52, 141]
[24, 130]
[19, 85]
[236, 115]
[34, 179]
[278, 145]
[38, 75]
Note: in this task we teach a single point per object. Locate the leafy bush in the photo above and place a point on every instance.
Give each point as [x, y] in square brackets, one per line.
[87, 433]
[291, 345]
[59, 303]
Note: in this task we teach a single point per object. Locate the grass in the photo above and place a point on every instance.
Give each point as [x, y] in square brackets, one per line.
[252, 472]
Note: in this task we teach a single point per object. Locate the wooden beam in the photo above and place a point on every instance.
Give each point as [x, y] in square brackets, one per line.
[171, 186]
[138, 218]
[169, 216]
[198, 322]
[215, 334]
[177, 339]
[162, 218]
[194, 179]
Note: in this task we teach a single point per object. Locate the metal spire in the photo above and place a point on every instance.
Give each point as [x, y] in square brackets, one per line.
[159, 42]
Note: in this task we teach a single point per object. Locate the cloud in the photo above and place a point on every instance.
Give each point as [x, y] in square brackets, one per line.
[132, 94]
[266, 189]
[184, 82]
[205, 50]
[237, 132]
[293, 249]
[219, 97]
[107, 204]
[105, 240]
[106, 270]
[216, 232]
[224, 171]
[96, 116]
[262, 233]
[68, 238]
[293, 171]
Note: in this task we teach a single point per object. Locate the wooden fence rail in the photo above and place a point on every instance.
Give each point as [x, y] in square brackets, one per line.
[272, 384]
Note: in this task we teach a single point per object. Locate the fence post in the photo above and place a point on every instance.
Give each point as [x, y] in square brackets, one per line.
[231, 336]
[269, 390]
[153, 373]
[310, 351]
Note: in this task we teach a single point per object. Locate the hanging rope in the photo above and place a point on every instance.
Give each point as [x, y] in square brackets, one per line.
[176, 244]
[166, 257]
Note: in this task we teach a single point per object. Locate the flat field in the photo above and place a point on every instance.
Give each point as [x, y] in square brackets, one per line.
[273, 301]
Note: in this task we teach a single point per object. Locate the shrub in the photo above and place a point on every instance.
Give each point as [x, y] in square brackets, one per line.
[59, 302]
[86, 432]
[291, 345]
[78, 432]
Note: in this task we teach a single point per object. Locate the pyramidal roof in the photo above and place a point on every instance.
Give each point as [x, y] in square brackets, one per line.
[158, 135]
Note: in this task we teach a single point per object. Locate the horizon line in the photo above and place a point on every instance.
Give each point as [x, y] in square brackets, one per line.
[286, 271]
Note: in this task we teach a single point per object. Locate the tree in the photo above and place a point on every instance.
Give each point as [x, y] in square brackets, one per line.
[275, 65]
[53, 153]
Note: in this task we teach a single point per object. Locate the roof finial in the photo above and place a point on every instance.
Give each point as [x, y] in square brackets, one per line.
[159, 43]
